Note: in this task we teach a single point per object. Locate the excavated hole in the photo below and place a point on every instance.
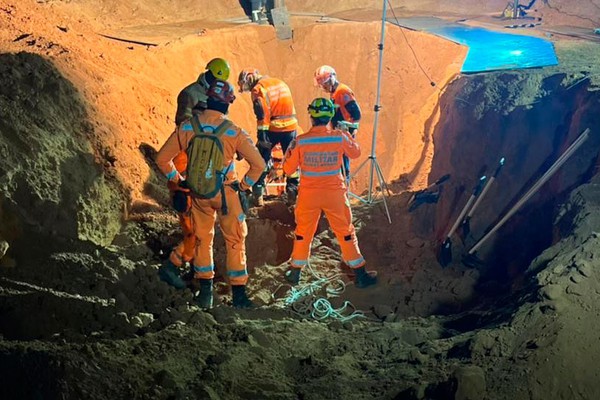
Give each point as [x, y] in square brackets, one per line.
[531, 132]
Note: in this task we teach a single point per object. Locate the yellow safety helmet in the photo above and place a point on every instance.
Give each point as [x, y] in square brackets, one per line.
[321, 107]
[219, 68]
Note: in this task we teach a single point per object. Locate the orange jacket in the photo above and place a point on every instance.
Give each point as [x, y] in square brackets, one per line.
[274, 106]
[234, 140]
[342, 96]
[318, 153]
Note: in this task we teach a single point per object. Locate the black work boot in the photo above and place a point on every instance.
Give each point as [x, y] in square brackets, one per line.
[364, 279]
[170, 274]
[204, 300]
[258, 195]
[292, 195]
[292, 275]
[240, 299]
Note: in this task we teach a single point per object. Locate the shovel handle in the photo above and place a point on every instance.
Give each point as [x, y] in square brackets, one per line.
[441, 180]
[487, 187]
[557, 164]
[467, 206]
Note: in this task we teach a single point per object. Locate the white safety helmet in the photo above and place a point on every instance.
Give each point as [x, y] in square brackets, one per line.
[325, 76]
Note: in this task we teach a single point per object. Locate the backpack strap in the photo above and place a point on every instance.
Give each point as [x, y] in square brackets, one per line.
[196, 125]
[219, 131]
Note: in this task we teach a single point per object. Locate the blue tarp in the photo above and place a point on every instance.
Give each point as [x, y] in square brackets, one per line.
[489, 50]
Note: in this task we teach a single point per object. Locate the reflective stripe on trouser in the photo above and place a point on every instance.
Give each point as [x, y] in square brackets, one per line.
[335, 205]
[233, 226]
[184, 252]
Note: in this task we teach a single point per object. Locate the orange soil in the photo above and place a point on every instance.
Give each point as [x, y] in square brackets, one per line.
[131, 88]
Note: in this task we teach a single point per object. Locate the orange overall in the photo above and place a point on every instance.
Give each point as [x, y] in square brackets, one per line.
[341, 97]
[276, 117]
[184, 252]
[205, 211]
[319, 153]
[273, 105]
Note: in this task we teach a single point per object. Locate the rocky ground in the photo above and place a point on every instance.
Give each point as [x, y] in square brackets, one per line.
[85, 225]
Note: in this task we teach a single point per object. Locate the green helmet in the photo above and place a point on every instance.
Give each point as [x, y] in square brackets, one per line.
[219, 68]
[321, 107]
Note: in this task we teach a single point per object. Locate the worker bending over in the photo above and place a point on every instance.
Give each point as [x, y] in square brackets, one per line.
[276, 122]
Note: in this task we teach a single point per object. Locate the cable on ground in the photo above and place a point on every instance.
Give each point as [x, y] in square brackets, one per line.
[305, 300]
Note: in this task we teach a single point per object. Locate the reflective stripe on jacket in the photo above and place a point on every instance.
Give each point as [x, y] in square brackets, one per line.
[275, 98]
[318, 153]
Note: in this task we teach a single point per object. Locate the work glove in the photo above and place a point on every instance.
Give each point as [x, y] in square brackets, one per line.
[263, 140]
[243, 195]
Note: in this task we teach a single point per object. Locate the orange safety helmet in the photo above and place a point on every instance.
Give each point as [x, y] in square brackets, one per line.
[248, 78]
[325, 75]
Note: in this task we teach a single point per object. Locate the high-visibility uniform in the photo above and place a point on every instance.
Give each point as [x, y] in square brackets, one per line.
[346, 109]
[276, 114]
[273, 105]
[319, 153]
[341, 97]
[205, 211]
[190, 96]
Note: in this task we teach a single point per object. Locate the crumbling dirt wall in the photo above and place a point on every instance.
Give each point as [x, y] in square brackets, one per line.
[49, 179]
[530, 118]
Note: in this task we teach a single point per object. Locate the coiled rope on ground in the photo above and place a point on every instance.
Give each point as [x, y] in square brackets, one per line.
[310, 300]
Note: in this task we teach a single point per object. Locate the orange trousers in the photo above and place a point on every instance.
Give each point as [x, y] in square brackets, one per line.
[233, 226]
[184, 252]
[334, 203]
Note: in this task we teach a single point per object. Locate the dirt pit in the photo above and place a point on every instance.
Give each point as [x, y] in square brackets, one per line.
[85, 220]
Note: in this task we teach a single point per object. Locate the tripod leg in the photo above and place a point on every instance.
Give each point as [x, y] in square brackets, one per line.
[352, 175]
[385, 185]
[382, 185]
[359, 168]
[371, 173]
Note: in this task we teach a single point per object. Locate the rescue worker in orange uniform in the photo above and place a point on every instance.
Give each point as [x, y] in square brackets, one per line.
[192, 99]
[347, 110]
[276, 122]
[205, 211]
[318, 153]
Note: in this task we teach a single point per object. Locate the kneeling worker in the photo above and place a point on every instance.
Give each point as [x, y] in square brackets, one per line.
[319, 154]
[212, 141]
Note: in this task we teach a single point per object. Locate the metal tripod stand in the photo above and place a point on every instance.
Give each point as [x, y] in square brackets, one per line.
[374, 168]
